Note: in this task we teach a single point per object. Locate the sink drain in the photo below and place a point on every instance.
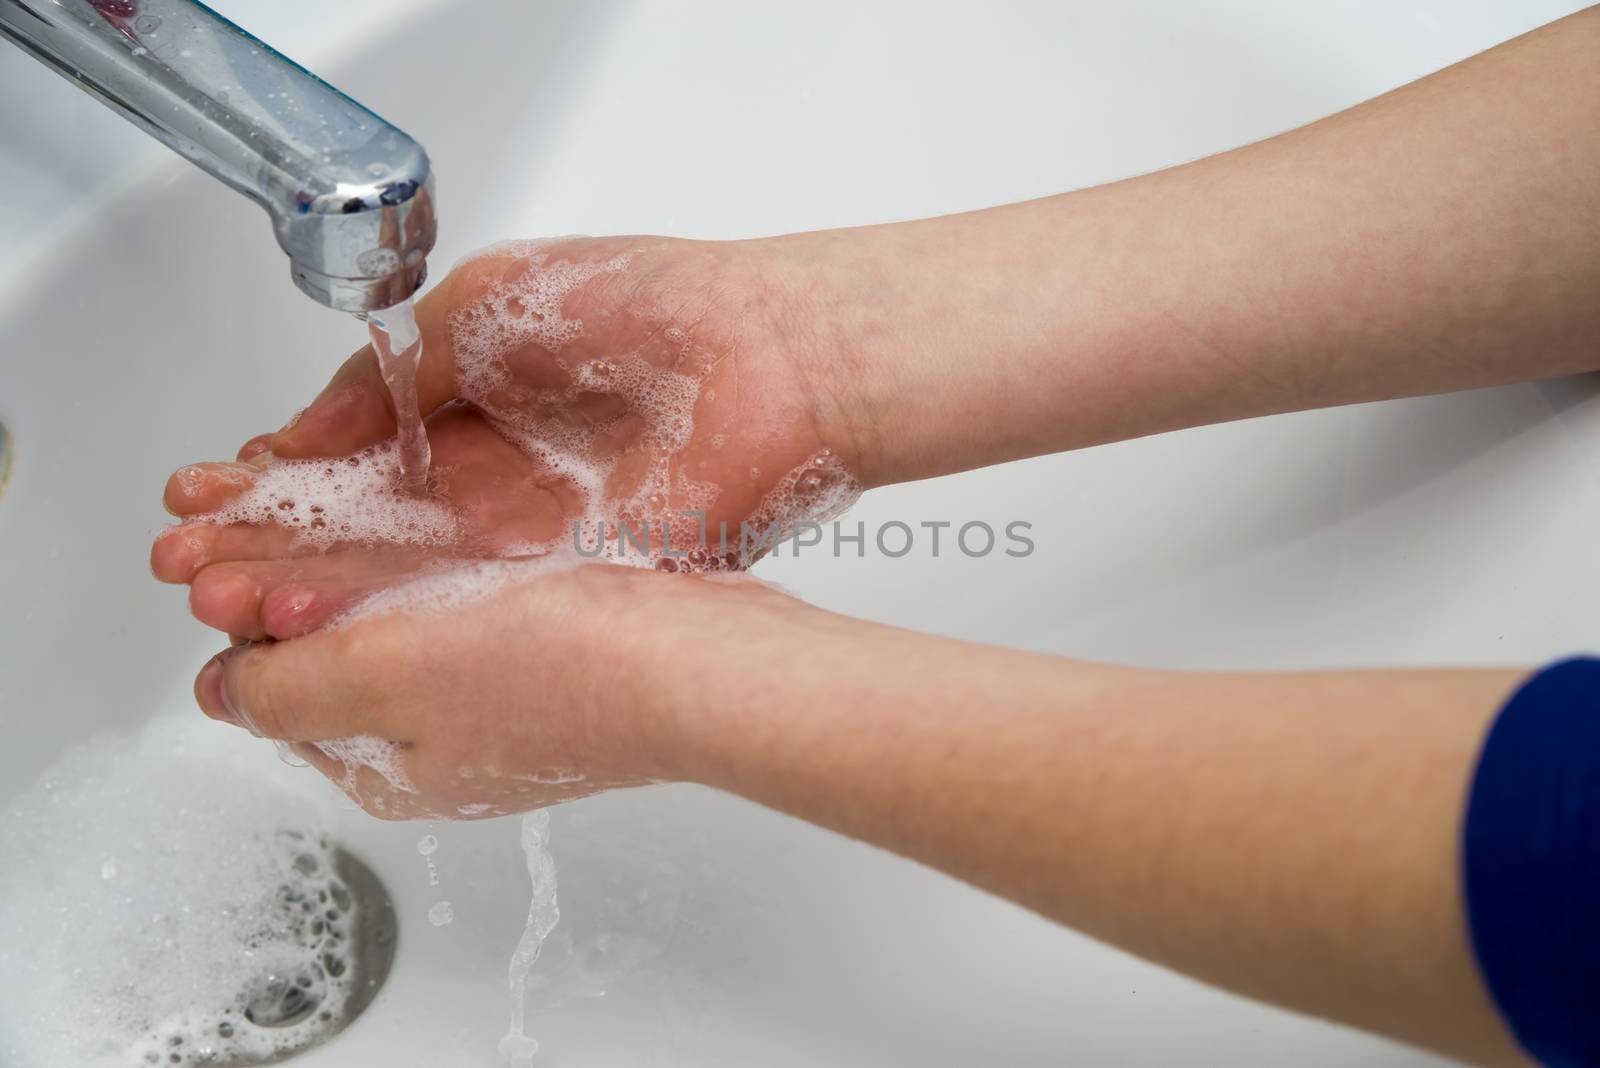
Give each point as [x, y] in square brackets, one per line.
[351, 922]
[324, 945]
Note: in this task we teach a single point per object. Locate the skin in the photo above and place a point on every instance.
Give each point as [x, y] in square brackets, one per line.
[1292, 836]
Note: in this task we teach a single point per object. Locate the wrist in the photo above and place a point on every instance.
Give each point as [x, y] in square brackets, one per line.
[739, 663]
[928, 345]
[834, 299]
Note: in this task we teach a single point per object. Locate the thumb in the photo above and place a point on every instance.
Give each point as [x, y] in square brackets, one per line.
[308, 689]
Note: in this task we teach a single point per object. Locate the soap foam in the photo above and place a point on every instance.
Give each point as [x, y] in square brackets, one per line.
[166, 918]
[819, 490]
[450, 585]
[354, 498]
[365, 751]
[512, 314]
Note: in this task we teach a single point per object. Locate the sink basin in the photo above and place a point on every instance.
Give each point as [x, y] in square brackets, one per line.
[159, 326]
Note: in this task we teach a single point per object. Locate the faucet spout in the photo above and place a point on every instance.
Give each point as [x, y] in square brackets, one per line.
[349, 195]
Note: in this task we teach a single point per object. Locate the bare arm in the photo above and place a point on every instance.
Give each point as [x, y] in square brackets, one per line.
[1442, 237]
[1293, 836]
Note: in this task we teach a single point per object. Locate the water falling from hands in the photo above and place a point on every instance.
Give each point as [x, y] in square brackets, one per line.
[398, 343]
[518, 1048]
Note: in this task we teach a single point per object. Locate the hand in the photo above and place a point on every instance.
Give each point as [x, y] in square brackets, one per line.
[584, 354]
[550, 690]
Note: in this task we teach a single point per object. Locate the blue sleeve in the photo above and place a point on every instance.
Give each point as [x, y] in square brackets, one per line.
[1531, 864]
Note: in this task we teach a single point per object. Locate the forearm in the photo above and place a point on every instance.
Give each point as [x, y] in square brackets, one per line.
[1290, 836]
[1445, 236]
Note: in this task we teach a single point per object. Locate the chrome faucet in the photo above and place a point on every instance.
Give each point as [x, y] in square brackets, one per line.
[350, 196]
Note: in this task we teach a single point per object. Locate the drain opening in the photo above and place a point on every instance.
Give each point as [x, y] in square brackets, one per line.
[334, 913]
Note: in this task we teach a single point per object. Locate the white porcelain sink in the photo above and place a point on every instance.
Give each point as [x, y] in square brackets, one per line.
[161, 327]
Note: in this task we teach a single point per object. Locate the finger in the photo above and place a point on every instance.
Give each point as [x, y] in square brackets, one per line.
[181, 551]
[322, 687]
[351, 412]
[297, 608]
[354, 409]
[232, 597]
[255, 446]
[201, 488]
[228, 598]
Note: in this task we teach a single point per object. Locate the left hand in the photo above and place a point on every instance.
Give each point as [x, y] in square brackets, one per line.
[680, 315]
[555, 688]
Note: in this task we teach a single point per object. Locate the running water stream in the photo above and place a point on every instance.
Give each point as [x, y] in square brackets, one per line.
[517, 1047]
[398, 343]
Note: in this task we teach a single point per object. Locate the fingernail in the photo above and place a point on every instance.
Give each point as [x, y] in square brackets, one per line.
[190, 479]
[208, 692]
[230, 694]
[186, 540]
[299, 602]
[215, 695]
[259, 444]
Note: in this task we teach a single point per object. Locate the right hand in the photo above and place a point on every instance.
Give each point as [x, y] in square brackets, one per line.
[550, 689]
